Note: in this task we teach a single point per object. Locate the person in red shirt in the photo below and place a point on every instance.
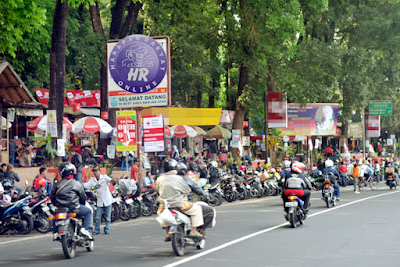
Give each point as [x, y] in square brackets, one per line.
[135, 170]
[40, 182]
[328, 152]
[343, 173]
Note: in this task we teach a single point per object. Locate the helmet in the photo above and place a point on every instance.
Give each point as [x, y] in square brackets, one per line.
[287, 163]
[181, 168]
[66, 168]
[214, 164]
[152, 186]
[172, 165]
[266, 165]
[328, 163]
[297, 167]
[273, 170]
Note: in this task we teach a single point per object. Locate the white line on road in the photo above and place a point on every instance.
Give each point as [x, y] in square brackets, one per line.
[201, 254]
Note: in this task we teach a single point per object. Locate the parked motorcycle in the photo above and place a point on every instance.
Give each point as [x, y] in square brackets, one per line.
[16, 216]
[294, 210]
[68, 232]
[41, 211]
[229, 189]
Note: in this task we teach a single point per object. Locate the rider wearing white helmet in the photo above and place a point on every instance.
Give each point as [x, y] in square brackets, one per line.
[213, 172]
[286, 165]
[330, 169]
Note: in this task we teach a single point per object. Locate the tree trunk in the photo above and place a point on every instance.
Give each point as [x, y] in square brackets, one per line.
[199, 98]
[131, 19]
[117, 13]
[57, 62]
[239, 110]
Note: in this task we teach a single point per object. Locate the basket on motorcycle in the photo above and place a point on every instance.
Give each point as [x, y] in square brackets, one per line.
[127, 186]
[389, 170]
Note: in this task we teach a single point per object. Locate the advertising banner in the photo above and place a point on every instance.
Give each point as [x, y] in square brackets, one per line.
[126, 130]
[52, 123]
[227, 116]
[313, 119]
[138, 72]
[43, 96]
[355, 129]
[153, 133]
[277, 110]
[236, 138]
[373, 126]
[86, 98]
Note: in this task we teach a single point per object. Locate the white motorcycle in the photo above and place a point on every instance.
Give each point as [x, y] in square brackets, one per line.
[179, 227]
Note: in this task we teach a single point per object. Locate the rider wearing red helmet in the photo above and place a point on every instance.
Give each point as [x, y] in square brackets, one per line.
[297, 183]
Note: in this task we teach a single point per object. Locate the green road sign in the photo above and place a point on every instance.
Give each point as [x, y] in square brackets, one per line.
[380, 107]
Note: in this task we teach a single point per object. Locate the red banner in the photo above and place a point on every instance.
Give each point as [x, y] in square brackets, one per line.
[153, 133]
[86, 98]
[373, 126]
[277, 110]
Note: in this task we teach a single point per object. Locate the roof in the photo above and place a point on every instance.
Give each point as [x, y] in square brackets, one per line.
[13, 92]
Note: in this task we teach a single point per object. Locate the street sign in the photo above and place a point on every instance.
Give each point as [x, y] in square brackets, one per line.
[126, 130]
[380, 107]
[271, 142]
[153, 133]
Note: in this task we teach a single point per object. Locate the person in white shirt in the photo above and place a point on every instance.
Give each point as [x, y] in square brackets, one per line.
[100, 183]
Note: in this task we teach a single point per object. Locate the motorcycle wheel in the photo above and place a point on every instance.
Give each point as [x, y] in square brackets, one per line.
[229, 195]
[136, 209]
[115, 212]
[242, 195]
[178, 241]
[126, 212]
[215, 200]
[3, 229]
[44, 223]
[259, 192]
[328, 202]
[68, 246]
[91, 246]
[247, 193]
[147, 208]
[29, 224]
[293, 219]
[253, 192]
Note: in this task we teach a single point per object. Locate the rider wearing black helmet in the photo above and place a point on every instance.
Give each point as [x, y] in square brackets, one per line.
[69, 193]
[174, 190]
[195, 188]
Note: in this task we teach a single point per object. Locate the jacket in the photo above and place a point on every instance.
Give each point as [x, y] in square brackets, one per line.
[70, 196]
[172, 188]
[297, 181]
[77, 160]
[214, 175]
[195, 188]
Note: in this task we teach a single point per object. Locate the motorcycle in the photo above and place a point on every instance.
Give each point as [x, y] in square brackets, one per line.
[329, 193]
[147, 202]
[294, 210]
[229, 189]
[390, 181]
[68, 232]
[17, 216]
[179, 227]
[214, 193]
[41, 211]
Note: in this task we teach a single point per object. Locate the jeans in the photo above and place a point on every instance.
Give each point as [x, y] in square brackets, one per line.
[343, 176]
[99, 214]
[49, 186]
[12, 160]
[78, 175]
[355, 180]
[86, 212]
[19, 189]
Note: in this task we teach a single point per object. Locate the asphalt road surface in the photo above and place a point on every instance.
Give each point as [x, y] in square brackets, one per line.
[363, 230]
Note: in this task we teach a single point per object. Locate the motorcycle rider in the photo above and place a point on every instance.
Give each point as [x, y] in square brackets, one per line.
[296, 182]
[213, 172]
[329, 169]
[69, 193]
[172, 188]
[286, 168]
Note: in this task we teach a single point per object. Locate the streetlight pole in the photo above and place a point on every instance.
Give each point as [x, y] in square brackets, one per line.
[364, 131]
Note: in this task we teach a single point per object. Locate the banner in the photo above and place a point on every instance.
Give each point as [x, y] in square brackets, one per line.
[227, 116]
[236, 138]
[126, 130]
[110, 151]
[52, 123]
[153, 133]
[355, 130]
[61, 147]
[138, 72]
[277, 110]
[86, 98]
[43, 96]
[313, 119]
[373, 127]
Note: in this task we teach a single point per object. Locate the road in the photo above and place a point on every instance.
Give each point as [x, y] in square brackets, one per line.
[360, 231]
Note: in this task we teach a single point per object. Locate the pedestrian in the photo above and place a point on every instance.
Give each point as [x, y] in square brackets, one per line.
[42, 181]
[175, 152]
[135, 170]
[104, 198]
[355, 175]
[24, 153]
[76, 159]
[196, 149]
[12, 177]
[12, 146]
[328, 152]
[343, 173]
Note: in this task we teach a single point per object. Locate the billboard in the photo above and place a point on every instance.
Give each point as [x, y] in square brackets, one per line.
[126, 130]
[277, 110]
[138, 72]
[312, 119]
[153, 133]
[373, 128]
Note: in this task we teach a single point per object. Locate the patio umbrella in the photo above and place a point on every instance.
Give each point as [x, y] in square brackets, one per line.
[219, 132]
[199, 130]
[91, 125]
[39, 125]
[182, 131]
[168, 132]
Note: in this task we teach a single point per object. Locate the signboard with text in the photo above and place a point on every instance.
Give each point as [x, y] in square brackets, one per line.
[126, 130]
[138, 71]
[153, 133]
[236, 137]
[380, 107]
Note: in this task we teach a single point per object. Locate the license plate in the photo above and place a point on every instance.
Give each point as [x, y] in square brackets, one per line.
[60, 223]
[248, 186]
[129, 201]
[45, 208]
[291, 204]
[327, 194]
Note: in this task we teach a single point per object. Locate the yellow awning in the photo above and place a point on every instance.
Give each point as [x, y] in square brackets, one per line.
[186, 116]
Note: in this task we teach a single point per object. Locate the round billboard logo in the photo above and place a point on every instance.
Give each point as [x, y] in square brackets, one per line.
[137, 63]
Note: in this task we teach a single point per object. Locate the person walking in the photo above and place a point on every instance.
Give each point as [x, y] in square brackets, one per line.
[343, 173]
[355, 175]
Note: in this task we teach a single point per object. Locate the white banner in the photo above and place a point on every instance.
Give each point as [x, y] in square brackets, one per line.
[52, 123]
[61, 147]
[111, 151]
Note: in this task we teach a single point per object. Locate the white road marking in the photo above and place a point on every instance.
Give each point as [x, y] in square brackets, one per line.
[201, 254]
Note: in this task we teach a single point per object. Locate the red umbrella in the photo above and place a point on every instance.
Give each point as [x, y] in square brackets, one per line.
[39, 125]
[181, 131]
[91, 125]
[167, 132]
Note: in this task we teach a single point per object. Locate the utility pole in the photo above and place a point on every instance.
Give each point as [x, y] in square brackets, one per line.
[266, 125]
[364, 131]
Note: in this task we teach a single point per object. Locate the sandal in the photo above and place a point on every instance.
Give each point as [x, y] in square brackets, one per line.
[198, 235]
[167, 238]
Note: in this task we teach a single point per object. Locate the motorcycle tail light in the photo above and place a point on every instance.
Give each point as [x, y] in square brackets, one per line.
[72, 215]
[51, 218]
[327, 186]
[60, 216]
[292, 198]
[390, 176]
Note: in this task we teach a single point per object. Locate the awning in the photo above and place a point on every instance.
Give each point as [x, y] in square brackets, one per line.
[186, 116]
[13, 92]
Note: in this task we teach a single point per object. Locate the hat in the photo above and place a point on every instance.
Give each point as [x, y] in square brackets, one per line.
[96, 168]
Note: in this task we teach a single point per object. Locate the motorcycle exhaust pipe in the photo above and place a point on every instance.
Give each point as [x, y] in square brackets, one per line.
[76, 238]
